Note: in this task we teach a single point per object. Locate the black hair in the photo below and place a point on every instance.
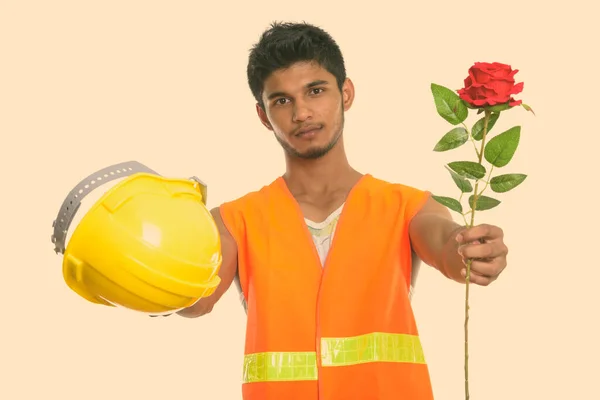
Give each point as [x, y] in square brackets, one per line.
[286, 43]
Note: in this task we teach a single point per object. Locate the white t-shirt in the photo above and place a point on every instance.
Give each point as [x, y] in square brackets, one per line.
[322, 233]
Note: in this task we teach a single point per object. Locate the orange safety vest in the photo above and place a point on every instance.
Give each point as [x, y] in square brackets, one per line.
[341, 332]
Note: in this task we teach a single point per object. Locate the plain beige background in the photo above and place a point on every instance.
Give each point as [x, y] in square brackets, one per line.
[87, 84]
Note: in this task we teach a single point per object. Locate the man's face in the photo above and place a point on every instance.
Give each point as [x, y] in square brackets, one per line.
[305, 109]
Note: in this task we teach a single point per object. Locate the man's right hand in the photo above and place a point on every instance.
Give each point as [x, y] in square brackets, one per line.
[227, 273]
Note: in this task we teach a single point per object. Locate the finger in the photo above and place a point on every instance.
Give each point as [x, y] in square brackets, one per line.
[489, 269]
[483, 231]
[477, 278]
[488, 250]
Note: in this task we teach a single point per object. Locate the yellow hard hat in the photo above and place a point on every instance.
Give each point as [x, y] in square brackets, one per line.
[149, 244]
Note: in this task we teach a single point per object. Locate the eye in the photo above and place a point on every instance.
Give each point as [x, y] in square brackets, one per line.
[280, 101]
[317, 90]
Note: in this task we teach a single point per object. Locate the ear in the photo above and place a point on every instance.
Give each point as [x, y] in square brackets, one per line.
[262, 115]
[347, 94]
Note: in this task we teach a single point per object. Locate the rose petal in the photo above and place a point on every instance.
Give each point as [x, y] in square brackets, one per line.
[483, 102]
[518, 88]
[502, 88]
[466, 97]
[514, 102]
[481, 76]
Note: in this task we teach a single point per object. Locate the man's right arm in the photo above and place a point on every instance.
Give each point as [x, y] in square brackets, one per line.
[226, 273]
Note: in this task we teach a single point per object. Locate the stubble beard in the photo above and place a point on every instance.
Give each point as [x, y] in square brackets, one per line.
[313, 153]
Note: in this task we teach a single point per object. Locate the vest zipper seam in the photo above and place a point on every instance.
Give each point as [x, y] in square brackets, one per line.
[323, 266]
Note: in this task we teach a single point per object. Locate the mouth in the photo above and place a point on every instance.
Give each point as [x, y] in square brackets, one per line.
[308, 131]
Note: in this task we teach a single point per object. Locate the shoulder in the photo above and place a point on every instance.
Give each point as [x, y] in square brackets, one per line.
[409, 198]
[408, 192]
[239, 211]
[251, 199]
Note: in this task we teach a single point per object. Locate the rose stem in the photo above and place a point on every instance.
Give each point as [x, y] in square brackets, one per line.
[468, 277]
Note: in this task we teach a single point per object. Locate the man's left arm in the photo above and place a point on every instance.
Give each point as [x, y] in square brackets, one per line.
[445, 245]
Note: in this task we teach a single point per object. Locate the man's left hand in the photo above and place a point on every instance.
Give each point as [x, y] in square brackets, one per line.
[484, 245]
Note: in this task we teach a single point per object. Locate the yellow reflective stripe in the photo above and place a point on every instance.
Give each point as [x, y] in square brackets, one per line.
[372, 347]
[335, 352]
[280, 366]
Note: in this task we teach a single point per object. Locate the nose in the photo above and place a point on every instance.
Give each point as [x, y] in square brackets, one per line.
[301, 111]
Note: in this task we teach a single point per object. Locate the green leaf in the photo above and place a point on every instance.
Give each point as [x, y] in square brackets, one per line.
[504, 183]
[501, 148]
[483, 202]
[528, 108]
[449, 202]
[499, 107]
[452, 139]
[449, 105]
[468, 169]
[463, 184]
[477, 130]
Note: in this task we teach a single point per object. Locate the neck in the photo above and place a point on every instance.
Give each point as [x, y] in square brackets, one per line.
[331, 172]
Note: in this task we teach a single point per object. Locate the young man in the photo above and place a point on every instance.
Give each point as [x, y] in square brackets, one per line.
[331, 321]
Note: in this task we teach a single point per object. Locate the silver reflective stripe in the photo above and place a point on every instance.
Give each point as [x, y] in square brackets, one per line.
[339, 352]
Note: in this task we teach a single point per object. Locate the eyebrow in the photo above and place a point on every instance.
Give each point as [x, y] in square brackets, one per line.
[308, 86]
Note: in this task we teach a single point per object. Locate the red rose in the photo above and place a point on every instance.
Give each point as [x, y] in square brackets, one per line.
[489, 84]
